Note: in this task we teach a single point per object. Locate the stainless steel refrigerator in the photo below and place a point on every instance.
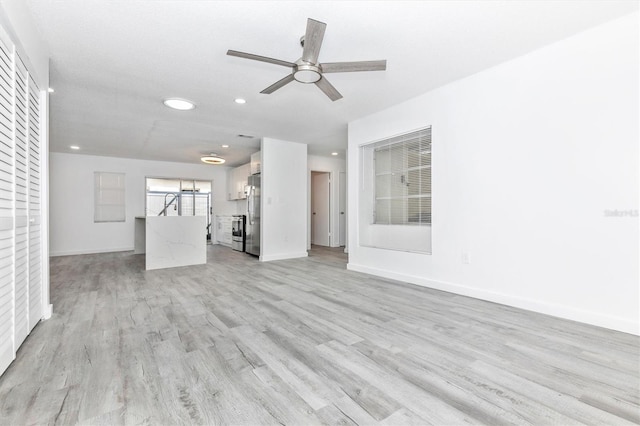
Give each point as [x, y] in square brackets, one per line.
[252, 230]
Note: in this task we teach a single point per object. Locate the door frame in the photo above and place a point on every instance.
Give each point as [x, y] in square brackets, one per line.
[330, 204]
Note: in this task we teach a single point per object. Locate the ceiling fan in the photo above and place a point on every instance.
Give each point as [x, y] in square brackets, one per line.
[307, 69]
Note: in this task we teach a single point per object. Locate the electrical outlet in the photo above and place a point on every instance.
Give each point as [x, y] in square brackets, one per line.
[466, 257]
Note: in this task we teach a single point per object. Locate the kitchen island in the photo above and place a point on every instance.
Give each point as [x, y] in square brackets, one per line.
[171, 241]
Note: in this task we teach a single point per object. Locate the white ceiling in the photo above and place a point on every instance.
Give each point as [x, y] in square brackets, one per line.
[113, 62]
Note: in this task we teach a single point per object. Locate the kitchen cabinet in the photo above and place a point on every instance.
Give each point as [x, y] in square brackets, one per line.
[256, 163]
[236, 181]
[223, 230]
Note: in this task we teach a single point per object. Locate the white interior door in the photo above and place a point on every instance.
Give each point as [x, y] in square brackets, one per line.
[21, 271]
[342, 209]
[35, 234]
[21, 205]
[7, 244]
[320, 193]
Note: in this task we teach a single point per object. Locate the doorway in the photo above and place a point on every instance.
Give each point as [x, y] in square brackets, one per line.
[320, 208]
[342, 232]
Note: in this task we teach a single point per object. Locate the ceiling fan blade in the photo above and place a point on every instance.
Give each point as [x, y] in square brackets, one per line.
[354, 66]
[278, 84]
[259, 58]
[313, 40]
[328, 89]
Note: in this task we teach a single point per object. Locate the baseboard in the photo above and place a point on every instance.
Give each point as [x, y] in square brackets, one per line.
[95, 251]
[48, 311]
[283, 256]
[6, 358]
[560, 311]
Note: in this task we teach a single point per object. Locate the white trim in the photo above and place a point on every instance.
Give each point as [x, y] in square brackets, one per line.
[283, 256]
[6, 358]
[47, 312]
[47, 308]
[561, 311]
[96, 251]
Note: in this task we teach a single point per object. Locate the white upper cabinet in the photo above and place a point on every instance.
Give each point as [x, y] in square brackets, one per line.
[236, 182]
[256, 163]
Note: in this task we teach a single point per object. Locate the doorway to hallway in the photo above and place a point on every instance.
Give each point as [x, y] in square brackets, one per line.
[320, 208]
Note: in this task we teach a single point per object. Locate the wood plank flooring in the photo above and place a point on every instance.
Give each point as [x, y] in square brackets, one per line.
[303, 342]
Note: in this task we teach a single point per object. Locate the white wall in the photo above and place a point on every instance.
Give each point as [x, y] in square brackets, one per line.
[71, 193]
[527, 157]
[16, 19]
[284, 200]
[334, 166]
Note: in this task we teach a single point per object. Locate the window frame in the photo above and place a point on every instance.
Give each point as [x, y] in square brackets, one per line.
[417, 140]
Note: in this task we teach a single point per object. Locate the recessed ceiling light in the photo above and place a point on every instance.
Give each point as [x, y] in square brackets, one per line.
[179, 104]
[225, 146]
[212, 159]
[76, 147]
[334, 153]
[240, 101]
[50, 90]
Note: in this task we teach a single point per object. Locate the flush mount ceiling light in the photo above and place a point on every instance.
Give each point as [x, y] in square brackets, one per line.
[334, 153]
[212, 159]
[179, 104]
[240, 101]
[75, 147]
[225, 146]
[306, 72]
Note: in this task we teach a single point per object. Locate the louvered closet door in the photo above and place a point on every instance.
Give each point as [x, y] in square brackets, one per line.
[35, 273]
[7, 348]
[21, 205]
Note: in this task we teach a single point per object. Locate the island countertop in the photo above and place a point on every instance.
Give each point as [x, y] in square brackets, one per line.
[170, 241]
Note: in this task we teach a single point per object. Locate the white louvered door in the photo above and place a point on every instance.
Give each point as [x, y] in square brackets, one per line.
[21, 206]
[35, 235]
[21, 273]
[7, 345]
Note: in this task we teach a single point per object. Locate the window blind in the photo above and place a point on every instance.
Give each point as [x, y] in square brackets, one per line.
[109, 197]
[402, 179]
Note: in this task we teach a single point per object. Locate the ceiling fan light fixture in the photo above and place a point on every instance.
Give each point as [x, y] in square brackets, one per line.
[179, 104]
[307, 73]
[212, 159]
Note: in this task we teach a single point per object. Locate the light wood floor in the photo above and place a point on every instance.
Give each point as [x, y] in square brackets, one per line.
[303, 342]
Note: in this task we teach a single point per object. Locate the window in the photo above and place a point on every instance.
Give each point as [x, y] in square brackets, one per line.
[402, 186]
[109, 197]
[394, 192]
[178, 197]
